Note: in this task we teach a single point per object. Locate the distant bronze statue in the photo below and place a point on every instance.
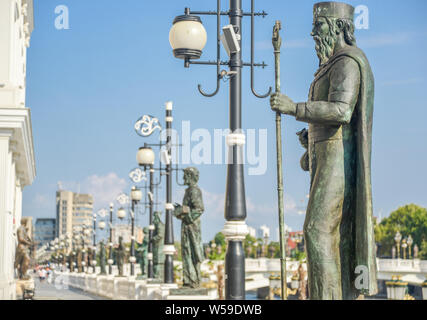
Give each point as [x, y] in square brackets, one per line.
[120, 256]
[191, 236]
[102, 257]
[143, 252]
[220, 279]
[158, 243]
[71, 261]
[338, 228]
[22, 258]
[302, 286]
[80, 257]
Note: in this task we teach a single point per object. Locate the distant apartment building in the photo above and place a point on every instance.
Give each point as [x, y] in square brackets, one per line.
[45, 230]
[72, 210]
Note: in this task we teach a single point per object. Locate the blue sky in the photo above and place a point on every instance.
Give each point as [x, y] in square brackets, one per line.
[86, 87]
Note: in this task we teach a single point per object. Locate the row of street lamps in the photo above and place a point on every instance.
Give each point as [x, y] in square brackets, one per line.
[404, 244]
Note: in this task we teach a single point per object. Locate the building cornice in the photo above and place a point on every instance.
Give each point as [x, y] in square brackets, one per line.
[18, 121]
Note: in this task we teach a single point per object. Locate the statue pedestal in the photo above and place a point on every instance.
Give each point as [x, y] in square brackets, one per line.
[25, 289]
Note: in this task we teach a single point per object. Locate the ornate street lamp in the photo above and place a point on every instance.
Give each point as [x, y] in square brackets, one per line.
[187, 39]
[404, 246]
[145, 126]
[397, 238]
[136, 196]
[410, 241]
[187, 36]
[121, 213]
[101, 225]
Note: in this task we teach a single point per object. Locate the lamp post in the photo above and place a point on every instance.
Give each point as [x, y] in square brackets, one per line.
[110, 244]
[146, 158]
[397, 238]
[145, 126]
[188, 38]
[136, 196]
[410, 241]
[404, 246]
[169, 248]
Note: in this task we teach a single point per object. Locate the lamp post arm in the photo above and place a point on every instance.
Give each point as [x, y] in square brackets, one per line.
[261, 96]
[218, 54]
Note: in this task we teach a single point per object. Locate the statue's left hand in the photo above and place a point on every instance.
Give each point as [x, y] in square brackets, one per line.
[283, 104]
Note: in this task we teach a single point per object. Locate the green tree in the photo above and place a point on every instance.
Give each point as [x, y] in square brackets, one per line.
[220, 239]
[408, 220]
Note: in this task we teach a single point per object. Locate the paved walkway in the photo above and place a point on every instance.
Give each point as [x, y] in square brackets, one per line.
[47, 291]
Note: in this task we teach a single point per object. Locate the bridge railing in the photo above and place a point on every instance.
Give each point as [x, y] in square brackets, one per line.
[402, 265]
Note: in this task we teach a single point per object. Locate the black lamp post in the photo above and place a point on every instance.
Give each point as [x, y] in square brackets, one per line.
[187, 38]
[145, 126]
[136, 196]
[145, 158]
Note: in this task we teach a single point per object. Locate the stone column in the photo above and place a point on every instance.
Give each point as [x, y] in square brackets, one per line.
[7, 239]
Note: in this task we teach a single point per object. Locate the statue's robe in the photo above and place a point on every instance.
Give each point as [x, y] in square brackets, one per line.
[102, 257]
[120, 258]
[143, 255]
[191, 237]
[158, 254]
[339, 225]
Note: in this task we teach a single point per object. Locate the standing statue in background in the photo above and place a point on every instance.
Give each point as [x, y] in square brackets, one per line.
[338, 228]
[71, 261]
[79, 260]
[120, 256]
[143, 252]
[22, 259]
[302, 285]
[191, 236]
[158, 242]
[102, 257]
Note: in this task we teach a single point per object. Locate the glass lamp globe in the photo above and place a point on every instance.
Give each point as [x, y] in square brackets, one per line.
[121, 213]
[101, 225]
[187, 37]
[136, 194]
[145, 156]
[398, 237]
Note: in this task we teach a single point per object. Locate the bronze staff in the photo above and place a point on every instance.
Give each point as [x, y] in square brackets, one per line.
[277, 42]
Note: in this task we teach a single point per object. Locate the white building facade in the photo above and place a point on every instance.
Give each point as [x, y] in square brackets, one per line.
[17, 164]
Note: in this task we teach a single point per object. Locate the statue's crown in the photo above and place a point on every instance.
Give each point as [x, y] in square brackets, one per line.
[333, 10]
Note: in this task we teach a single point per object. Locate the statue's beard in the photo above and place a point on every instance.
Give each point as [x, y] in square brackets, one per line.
[325, 47]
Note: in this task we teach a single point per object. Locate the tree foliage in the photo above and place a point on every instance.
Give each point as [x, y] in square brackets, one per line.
[408, 220]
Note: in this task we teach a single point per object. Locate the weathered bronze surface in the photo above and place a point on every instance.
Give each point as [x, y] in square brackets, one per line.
[158, 243]
[191, 235]
[22, 258]
[338, 228]
[120, 256]
[143, 251]
[102, 257]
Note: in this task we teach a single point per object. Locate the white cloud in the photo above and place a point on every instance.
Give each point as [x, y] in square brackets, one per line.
[103, 188]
